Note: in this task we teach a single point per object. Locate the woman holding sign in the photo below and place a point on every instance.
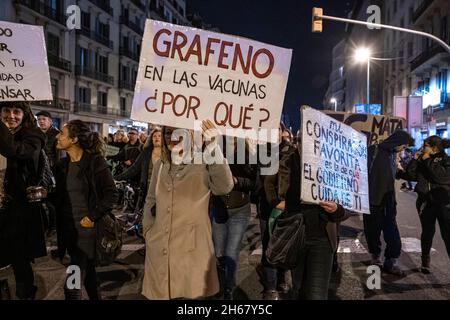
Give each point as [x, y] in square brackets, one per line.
[180, 261]
[312, 274]
[21, 226]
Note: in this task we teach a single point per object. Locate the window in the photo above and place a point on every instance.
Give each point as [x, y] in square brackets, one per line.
[54, 85]
[395, 7]
[402, 23]
[102, 29]
[83, 95]
[123, 105]
[125, 42]
[402, 60]
[411, 14]
[444, 28]
[388, 16]
[102, 98]
[83, 57]
[410, 49]
[442, 85]
[124, 73]
[85, 20]
[53, 44]
[52, 4]
[101, 63]
[167, 15]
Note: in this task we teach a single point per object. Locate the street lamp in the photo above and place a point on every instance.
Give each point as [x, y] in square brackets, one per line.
[333, 100]
[362, 55]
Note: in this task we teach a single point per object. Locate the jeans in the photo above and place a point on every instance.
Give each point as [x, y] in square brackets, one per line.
[428, 217]
[383, 218]
[227, 239]
[88, 276]
[312, 275]
[273, 277]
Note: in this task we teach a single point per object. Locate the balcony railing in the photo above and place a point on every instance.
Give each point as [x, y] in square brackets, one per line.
[57, 103]
[99, 110]
[58, 62]
[44, 10]
[128, 53]
[139, 4]
[130, 24]
[421, 9]
[96, 37]
[126, 85]
[94, 74]
[104, 5]
[426, 55]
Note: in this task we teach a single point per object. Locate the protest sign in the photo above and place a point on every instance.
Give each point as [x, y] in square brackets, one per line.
[334, 162]
[187, 75]
[376, 128]
[111, 150]
[24, 74]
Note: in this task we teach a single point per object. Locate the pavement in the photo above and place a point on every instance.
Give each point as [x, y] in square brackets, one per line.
[123, 279]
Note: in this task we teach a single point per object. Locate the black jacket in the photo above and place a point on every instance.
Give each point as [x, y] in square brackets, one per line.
[383, 169]
[141, 167]
[290, 176]
[100, 194]
[52, 153]
[23, 229]
[128, 152]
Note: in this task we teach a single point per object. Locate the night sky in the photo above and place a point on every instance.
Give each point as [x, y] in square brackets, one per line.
[284, 23]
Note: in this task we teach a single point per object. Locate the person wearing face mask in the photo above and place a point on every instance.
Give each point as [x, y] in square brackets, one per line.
[431, 169]
[180, 260]
[382, 168]
[21, 228]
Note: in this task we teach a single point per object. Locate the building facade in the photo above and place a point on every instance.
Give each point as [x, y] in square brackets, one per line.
[93, 69]
[335, 95]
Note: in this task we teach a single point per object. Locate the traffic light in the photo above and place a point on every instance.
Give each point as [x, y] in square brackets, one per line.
[317, 14]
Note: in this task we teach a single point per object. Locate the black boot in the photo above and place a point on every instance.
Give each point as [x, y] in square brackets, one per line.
[426, 260]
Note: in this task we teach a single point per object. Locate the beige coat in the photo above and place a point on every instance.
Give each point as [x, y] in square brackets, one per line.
[180, 260]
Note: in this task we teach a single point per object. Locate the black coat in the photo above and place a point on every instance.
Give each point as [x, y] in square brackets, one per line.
[383, 168]
[100, 195]
[141, 168]
[23, 229]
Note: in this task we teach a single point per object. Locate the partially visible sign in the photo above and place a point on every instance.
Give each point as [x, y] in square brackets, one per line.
[371, 108]
[188, 75]
[376, 128]
[111, 150]
[334, 162]
[24, 74]
[411, 109]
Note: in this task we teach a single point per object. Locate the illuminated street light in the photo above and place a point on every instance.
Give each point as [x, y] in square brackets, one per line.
[334, 101]
[363, 54]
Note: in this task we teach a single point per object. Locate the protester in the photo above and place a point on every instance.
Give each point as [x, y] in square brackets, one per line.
[129, 153]
[143, 166]
[273, 279]
[180, 261]
[431, 169]
[382, 169]
[22, 235]
[232, 215]
[143, 137]
[120, 139]
[85, 192]
[45, 123]
[312, 274]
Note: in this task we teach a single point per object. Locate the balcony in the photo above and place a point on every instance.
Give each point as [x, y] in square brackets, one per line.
[130, 24]
[104, 5]
[421, 9]
[44, 10]
[126, 85]
[96, 37]
[82, 107]
[60, 63]
[57, 103]
[128, 53]
[139, 4]
[426, 55]
[94, 74]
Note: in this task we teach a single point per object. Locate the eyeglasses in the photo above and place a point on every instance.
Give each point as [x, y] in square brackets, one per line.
[134, 133]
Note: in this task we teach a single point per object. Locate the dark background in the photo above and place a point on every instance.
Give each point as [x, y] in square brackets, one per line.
[285, 23]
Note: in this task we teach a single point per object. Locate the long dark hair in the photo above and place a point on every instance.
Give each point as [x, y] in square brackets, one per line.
[149, 142]
[438, 142]
[28, 121]
[89, 141]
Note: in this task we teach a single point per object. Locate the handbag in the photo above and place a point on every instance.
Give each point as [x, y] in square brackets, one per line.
[109, 240]
[287, 239]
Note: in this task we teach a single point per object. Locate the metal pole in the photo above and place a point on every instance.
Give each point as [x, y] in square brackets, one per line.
[368, 82]
[384, 26]
[335, 105]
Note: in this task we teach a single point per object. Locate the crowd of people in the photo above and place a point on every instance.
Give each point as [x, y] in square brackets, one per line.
[195, 215]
